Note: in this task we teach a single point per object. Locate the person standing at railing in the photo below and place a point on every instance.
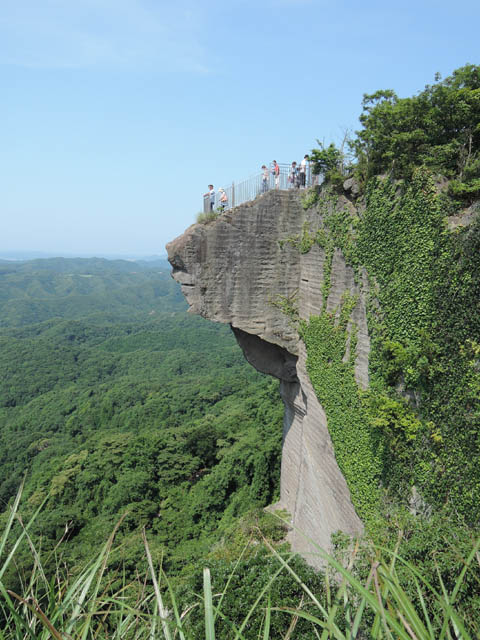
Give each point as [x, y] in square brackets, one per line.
[223, 199]
[265, 176]
[211, 195]
[276, 174]
[292, 176]
[303, 170]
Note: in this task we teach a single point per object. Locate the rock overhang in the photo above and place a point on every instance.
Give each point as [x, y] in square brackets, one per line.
[238, 269]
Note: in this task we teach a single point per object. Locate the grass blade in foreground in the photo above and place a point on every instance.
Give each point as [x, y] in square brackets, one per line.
[209, 619]
[161, 608]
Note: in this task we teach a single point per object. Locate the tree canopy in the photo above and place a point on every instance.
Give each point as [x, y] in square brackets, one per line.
[133, 408]
[438, 128]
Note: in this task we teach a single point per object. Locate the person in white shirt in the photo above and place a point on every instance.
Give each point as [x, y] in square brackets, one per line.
[265, 177]
[304, 170]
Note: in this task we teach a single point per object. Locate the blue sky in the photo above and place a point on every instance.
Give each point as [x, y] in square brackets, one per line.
[116, 114]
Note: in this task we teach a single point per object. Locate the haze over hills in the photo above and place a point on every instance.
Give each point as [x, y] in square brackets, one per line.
[35, 290]
[32, 255]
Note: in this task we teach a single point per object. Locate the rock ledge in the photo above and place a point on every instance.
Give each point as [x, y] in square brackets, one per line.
[234, 270]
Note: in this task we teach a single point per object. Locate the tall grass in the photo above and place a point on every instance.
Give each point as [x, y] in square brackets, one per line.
[85, 606]
[208, 216]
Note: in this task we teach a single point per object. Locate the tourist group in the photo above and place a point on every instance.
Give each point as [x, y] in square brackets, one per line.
[294, 176]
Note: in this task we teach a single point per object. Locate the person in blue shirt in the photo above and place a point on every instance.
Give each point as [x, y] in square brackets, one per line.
[211, 195]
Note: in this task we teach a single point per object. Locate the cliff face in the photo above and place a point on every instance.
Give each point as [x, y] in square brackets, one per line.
[242, 269]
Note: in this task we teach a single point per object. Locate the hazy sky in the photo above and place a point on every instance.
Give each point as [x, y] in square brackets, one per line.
[116, 114]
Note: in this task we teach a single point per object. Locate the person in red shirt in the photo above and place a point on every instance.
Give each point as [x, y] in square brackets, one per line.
[276, 174]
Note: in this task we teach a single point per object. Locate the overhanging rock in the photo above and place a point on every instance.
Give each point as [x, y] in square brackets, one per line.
[239, 270]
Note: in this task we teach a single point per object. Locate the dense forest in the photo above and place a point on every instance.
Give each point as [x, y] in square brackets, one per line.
[119, 403]
[120, 411]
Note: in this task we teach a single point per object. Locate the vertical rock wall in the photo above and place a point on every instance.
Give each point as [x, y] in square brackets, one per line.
[236, 270]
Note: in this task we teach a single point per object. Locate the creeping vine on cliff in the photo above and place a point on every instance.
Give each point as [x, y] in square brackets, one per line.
[422, 410]
[356, 444]
[428, 293]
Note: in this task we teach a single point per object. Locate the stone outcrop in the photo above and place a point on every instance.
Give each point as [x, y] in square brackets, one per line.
[239, 270]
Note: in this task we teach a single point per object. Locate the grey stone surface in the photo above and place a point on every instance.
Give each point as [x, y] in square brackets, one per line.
[465, 218]
[234, 270]
[313, 489]
[351, 186]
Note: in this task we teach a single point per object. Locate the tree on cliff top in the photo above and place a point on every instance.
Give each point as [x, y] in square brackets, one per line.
[438, 128]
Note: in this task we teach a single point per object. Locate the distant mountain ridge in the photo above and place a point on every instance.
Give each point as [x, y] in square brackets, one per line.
[36, 290]
[99, 265]
[22, 256]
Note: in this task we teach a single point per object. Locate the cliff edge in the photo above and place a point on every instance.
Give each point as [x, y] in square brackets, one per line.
[245, 269]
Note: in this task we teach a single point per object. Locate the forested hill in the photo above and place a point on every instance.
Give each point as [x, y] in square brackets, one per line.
[36, 290]
[113, 401]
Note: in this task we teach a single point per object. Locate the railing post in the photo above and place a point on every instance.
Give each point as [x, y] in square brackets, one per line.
[233, 194]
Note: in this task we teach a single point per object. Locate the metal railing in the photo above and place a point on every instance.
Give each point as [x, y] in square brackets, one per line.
[256, 185]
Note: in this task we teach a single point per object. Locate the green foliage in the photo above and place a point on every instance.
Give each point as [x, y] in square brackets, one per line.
[328, 162]
[422, 409]
[309, 197]
[399, 242]
[427, 288]
[365, 590]
[245, 562]
[438, 128]
[330, 364]
[307, 239]
[204, 217]
[156, 416]
[399, 435]
[436, 545]
[410, 366]
[303, 242]
[465, 190]
[38, 290]
[287, 305]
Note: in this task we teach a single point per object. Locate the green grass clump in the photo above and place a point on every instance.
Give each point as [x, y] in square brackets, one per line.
[343, 603]
[208, 216]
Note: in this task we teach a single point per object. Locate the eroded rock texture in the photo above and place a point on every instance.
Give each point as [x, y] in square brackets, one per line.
[237, 270]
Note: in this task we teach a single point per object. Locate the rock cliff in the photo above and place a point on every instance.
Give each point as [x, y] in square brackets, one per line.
[241, 269]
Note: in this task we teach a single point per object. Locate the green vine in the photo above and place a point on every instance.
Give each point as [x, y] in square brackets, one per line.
[287, 305]
[355, 443]
[310, 197]
[423, 316]
[419, 422]
[302, 242]
[327, 272]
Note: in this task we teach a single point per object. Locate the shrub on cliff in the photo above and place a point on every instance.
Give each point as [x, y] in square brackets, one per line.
[328, 162]
[208, 216]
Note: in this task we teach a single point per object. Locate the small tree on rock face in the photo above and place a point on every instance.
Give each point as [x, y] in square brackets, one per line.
[327, 161]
